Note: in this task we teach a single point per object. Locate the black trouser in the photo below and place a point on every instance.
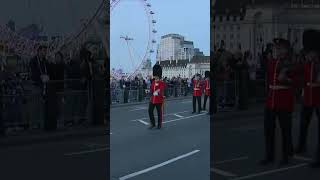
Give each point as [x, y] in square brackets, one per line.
[210, 106]
[159, 112]
[196, 98]
[285, 121]
[306, 116]
[205, 101]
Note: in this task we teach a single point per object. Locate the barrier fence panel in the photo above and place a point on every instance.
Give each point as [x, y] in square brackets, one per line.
[68, 101]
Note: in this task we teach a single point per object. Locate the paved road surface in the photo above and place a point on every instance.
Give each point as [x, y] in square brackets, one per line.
[239, 146]
[181, 150]
[83, 159]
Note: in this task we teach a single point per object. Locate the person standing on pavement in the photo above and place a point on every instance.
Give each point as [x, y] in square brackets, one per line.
[279, 103]
[311, 89]
[197, 93]
[157, 97]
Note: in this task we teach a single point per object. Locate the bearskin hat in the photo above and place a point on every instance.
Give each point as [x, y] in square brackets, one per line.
[157, 71]
[282, 42]
[310, 39]
[207, 74]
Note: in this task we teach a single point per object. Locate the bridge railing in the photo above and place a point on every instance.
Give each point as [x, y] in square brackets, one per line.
[63, 104]
[140, 94]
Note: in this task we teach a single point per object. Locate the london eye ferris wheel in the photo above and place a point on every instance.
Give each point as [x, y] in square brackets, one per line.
[136, 60]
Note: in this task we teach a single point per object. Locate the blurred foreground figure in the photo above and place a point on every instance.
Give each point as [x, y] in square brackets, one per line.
[279, 103]
[311, 90]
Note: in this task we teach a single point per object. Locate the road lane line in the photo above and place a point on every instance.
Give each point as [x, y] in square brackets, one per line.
[179, 116]
[222, 173]
[302, 158]
[87, 152]
[231, 160]
[158, 165]
[185, 102]
[143, 122]
[163, 115]
[188, 117]
[270, 172]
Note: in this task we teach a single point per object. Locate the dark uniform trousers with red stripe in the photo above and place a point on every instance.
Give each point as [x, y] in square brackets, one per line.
[159, 112]
[311, 105]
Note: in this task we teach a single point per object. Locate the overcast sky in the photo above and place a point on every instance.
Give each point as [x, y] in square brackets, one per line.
[57, 16]
[189, 18]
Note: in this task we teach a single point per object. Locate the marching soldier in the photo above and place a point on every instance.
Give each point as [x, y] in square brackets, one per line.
[157, 96]
[197, 93]
[207, 91]
[311, 89]
[279, 103]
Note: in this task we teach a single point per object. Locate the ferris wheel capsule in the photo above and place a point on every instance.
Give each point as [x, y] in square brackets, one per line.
[154, 21]
[151, 12]
[149, 5]
[154, 31]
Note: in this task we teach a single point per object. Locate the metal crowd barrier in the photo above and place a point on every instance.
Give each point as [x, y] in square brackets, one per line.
[70, 101]
[120, 96]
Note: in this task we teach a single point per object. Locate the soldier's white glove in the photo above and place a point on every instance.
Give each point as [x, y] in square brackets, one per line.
[155, 93]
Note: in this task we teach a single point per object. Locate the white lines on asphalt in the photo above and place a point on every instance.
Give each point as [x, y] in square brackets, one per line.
[270, 172]
[185, 102]
[223, 173]
[231, 160]
[302, 158]
[179, 116]
[138, 109]
[179, 119]
[143, 122]
[157, 116]
[87, 152]
[158, 165]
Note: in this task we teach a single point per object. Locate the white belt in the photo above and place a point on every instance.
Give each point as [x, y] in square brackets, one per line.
[196, 89]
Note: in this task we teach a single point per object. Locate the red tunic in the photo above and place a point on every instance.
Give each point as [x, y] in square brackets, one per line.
[197, 91]
[207, 87]
[159, 85]
[280, 99]
[311, 94]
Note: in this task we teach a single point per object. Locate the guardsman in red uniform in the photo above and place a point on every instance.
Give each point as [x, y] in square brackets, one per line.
[311, 90]
[207, 90]
[157, 96]
[280, 102]
[197, 93]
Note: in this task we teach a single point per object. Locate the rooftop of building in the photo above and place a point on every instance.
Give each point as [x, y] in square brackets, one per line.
[172, 35]
[184, 63]
[232, 7]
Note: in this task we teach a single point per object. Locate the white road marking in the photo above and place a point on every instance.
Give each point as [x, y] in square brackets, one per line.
[143, 122]
[270, 172]
[157, 116]
[302, 158]
[223, 173]
[188, 117]
[86, 152]
[185, 102]
[158, 165]
[138, 109]
[179, 116]
[231, 160]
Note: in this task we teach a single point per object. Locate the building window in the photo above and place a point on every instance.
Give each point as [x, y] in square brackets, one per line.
[238, 27]
[231, 36]
[218, 36]
[220, 18]
[231, 45]
[234, 18]
[238, 36]
[231, 28]
[224, 36]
